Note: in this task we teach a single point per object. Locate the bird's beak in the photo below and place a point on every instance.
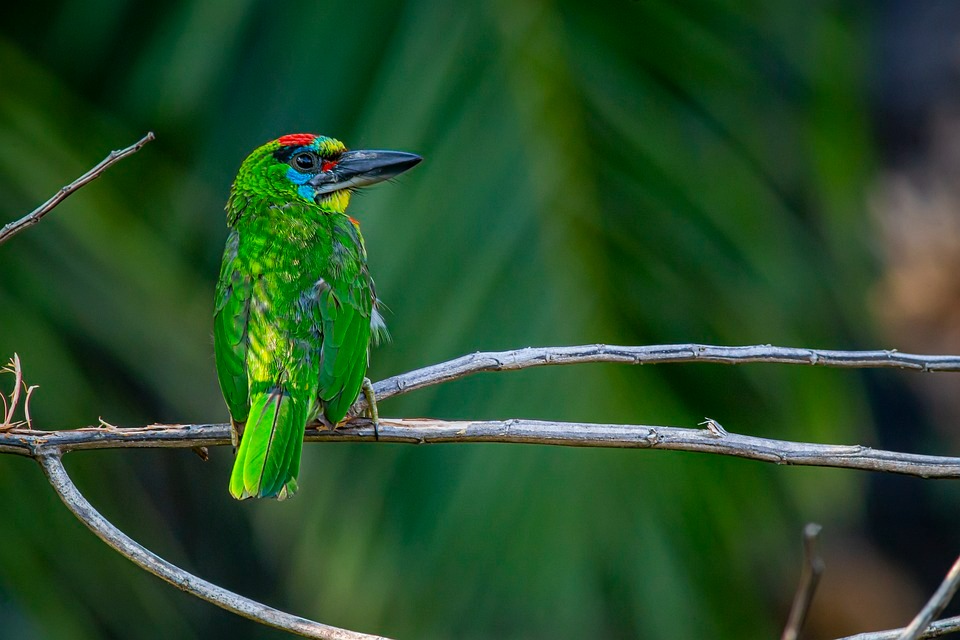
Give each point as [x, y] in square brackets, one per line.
[361, 168]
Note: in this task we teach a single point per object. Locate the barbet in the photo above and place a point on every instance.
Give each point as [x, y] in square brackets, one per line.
[295, 308]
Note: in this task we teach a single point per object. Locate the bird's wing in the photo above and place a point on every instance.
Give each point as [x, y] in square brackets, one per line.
[344, 319]
[231, 313]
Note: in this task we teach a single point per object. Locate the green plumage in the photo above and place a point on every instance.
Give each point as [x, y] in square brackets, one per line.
[295, 307]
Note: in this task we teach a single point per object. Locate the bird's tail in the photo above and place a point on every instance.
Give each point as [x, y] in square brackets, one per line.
[268, 461]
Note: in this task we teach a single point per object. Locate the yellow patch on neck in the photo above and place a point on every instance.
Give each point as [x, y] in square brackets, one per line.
[335, 202]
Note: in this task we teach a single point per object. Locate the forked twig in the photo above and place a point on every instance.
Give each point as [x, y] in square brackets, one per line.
[13, 367]
[10, 407]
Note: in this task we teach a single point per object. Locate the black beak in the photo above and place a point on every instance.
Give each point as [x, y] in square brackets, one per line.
[361, 168]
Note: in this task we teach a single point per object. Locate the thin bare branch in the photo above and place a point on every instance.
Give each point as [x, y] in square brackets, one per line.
[52, 465]
[573, 434]
[26, 404]
[34, 216]
[809, 578]
[935, 606]
[653, 354]
[936, 629]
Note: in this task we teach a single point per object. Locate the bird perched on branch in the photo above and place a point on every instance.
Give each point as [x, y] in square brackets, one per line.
[295, 308]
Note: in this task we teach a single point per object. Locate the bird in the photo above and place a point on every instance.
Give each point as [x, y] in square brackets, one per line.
[295, 309]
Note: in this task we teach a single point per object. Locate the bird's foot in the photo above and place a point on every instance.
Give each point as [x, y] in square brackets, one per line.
[372, 411]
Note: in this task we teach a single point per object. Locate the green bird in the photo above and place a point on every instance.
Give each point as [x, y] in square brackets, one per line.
[295, 309]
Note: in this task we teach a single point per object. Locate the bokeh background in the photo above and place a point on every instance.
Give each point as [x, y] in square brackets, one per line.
[618, 171]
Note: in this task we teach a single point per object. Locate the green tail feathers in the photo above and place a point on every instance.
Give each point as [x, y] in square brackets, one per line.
[268, 461]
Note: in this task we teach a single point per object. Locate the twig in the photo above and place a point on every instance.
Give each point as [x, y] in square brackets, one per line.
[34, 216]
[935, 630]
[653, 354]
[13, 367]
[922, 626]
[574, 434]
[26, 404]
[809, 578]
[7, 423]
[935, 606]
[71, 496]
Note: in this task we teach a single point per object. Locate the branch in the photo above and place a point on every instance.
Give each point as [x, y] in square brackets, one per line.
[52, 466]
[35, 443]
[49, 446]
[654, 354]
[935, 630]
[809, 578]
[34, 216]
[935, 606]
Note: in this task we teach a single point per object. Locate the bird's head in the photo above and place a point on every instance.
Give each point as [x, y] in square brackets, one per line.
[318, 169]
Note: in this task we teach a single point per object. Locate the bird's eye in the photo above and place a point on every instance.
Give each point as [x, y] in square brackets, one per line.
[305, 161]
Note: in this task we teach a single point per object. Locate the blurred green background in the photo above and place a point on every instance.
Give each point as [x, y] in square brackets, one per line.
[623, 171]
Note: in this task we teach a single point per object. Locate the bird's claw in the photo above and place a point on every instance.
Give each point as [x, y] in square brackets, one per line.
[372, 412]
[236, 431]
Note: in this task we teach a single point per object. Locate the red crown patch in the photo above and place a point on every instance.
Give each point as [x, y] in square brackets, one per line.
[297, 139]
